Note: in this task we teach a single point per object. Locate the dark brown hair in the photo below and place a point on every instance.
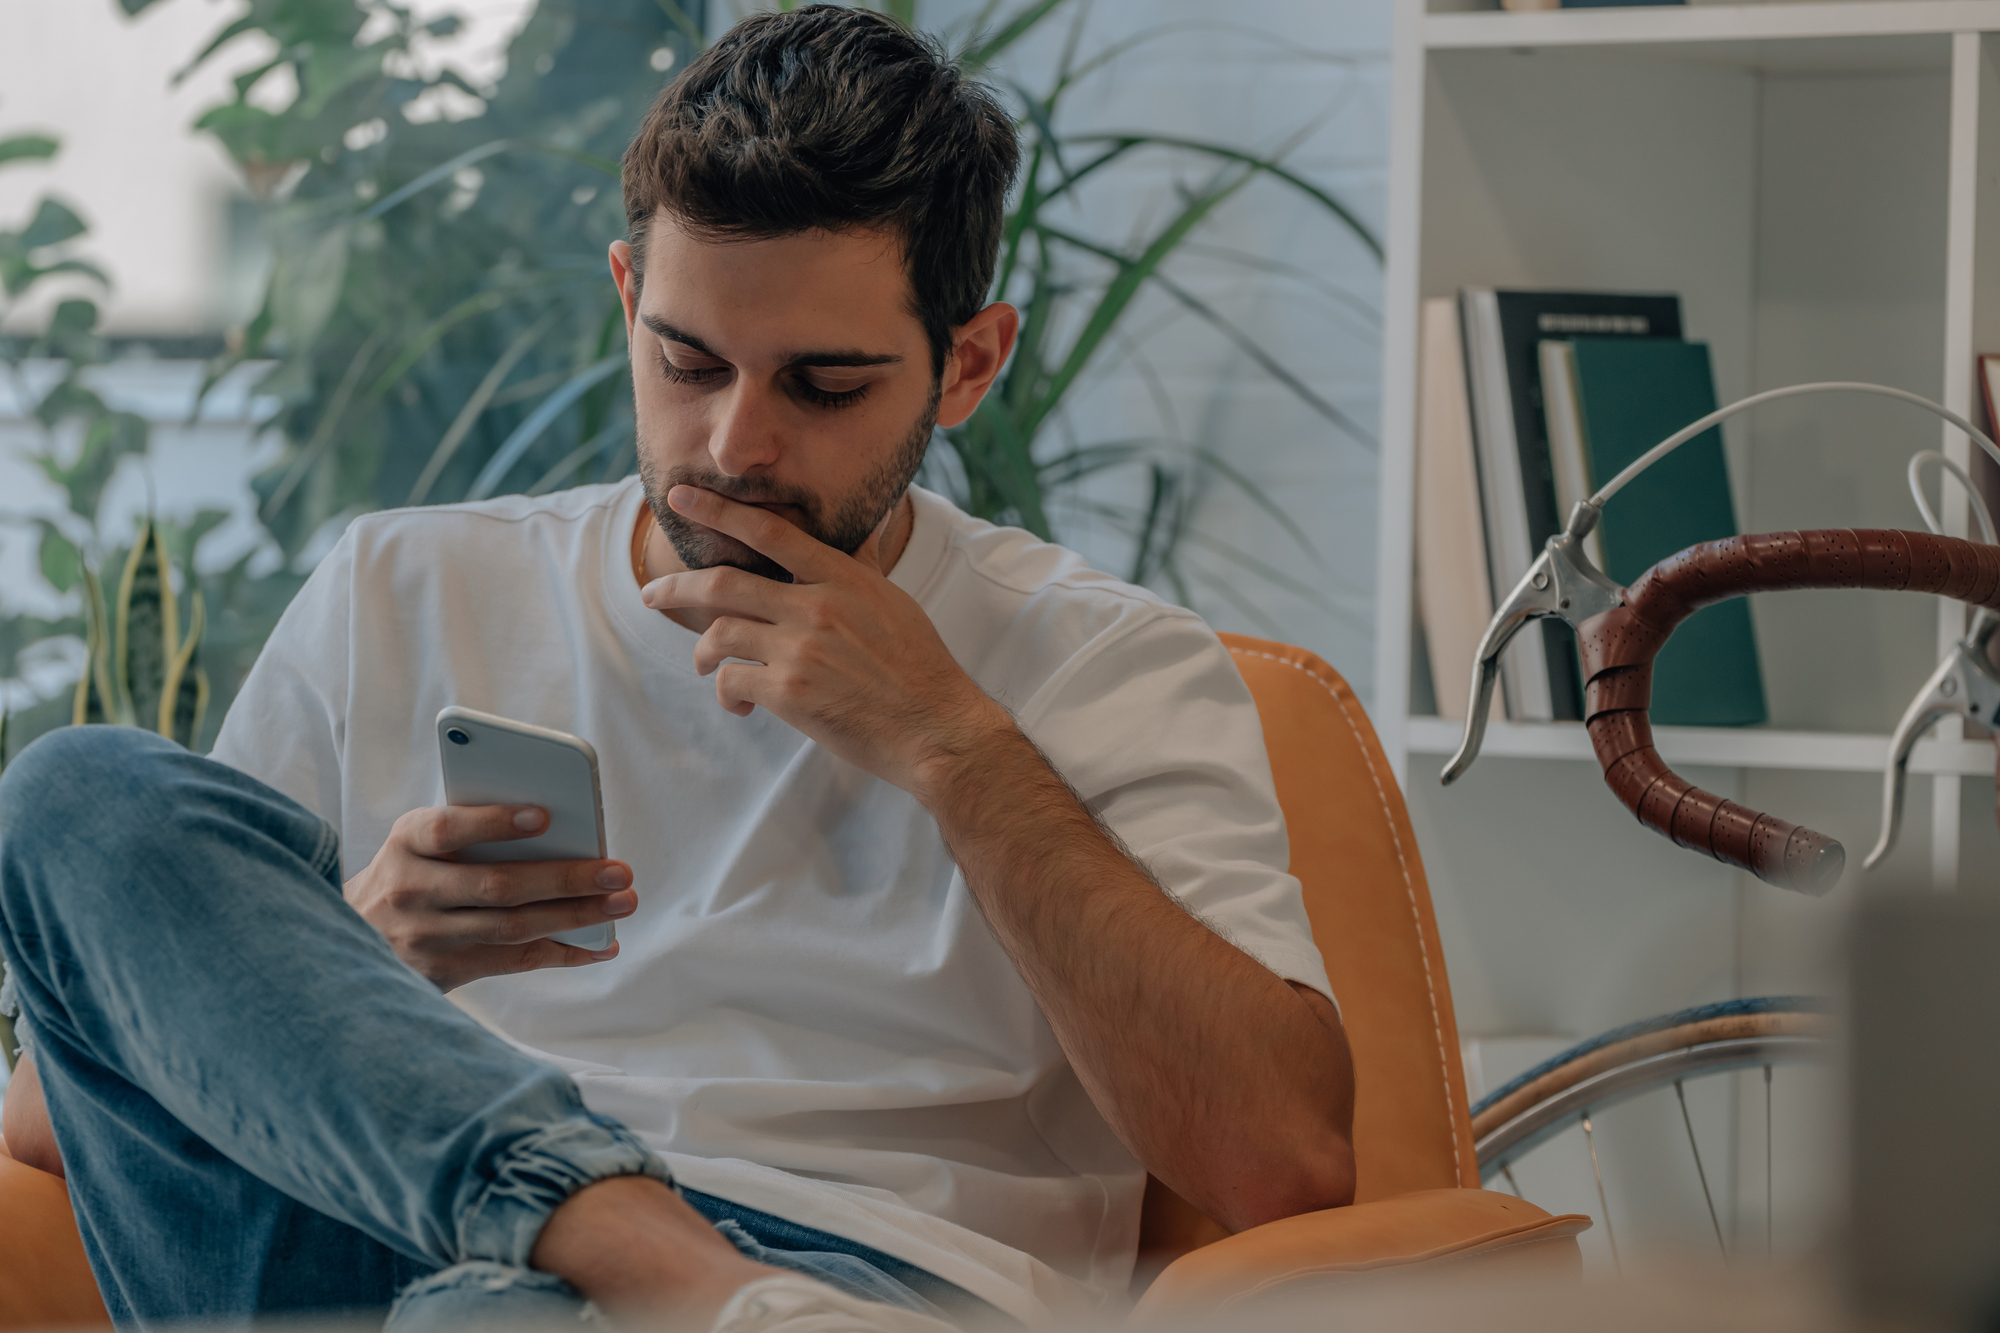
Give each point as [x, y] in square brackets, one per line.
[832, 118]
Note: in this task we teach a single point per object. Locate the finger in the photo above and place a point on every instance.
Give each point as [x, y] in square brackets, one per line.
[474, 926]
[729, 637]
[736, 684]
[723, 589]
[441, 830]
[518, 883]
[808, 559]
[502, 960]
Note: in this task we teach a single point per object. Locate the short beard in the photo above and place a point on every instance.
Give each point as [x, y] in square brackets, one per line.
[843, 522]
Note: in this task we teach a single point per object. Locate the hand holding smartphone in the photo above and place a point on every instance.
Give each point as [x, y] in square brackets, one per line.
[489, 760]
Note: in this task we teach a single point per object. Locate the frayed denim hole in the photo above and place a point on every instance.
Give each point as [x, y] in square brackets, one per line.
[486, 1278]
[535, 1176]
[733, 1232]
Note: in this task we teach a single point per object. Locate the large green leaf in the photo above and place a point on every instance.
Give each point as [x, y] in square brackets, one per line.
[1132, 274]
[28, 148]
[61, 563]
[314, 264]
[107, 440]
[516, 446]
[146, 632]
[989, 47]
[54, 223]
[1270, 166]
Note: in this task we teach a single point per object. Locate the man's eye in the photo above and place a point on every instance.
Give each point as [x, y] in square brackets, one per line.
[823, 397]
[687, 374]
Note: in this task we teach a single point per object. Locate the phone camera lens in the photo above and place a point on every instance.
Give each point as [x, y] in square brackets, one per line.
[457, 736]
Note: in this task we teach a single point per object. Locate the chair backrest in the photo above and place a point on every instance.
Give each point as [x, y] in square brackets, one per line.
[1355, 855]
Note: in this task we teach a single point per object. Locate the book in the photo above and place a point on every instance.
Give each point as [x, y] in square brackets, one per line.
[1630, 394]
[1454, 596]
[1503, 330]
[1984, 471]
[1569, 454]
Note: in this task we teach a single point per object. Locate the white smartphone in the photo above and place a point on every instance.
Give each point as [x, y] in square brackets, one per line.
[490, 760]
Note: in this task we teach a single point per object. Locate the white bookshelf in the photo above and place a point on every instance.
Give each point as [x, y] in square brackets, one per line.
[1820, 182]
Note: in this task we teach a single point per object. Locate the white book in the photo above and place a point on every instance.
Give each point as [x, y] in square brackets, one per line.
[1524, 667]
[1454, 593]
[1569, 443]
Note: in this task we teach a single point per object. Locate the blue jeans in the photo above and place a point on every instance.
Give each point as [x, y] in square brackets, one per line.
[260, 1108]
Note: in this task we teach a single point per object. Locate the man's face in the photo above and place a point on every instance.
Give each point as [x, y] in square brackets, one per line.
[785, 373]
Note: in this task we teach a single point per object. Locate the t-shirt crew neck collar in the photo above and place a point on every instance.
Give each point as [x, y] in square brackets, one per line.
[913, 572]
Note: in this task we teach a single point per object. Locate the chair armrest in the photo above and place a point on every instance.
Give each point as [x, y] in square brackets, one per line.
[45, 1280]
[1428, 1227]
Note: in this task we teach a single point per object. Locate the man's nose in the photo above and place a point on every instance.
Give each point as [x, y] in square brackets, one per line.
[745, 434]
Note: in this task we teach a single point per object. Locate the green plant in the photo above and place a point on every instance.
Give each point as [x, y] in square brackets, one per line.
[1076, 291]
[6, 1021]
[141, 663]
[442, 327]
[483, 297]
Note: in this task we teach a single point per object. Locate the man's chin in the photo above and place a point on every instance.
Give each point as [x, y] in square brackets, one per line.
[709, 549]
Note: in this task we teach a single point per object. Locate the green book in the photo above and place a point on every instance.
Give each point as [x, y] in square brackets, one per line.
[1631, 393]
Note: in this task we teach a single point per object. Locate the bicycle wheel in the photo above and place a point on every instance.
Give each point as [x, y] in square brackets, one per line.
[1561, 1093]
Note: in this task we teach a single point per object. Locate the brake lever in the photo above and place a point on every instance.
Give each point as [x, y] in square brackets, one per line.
[1964, 685]
[1561, 583]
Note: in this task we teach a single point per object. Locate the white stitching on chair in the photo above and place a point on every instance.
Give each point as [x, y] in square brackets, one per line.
[1409, 885]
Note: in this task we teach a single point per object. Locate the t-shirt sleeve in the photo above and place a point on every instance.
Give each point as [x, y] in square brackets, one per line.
[1155, 729]
[288, 724]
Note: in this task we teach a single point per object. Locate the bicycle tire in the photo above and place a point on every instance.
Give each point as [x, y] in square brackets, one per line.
[1638, 1057]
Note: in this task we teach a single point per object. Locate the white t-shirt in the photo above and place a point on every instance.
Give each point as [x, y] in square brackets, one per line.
[809, 1015]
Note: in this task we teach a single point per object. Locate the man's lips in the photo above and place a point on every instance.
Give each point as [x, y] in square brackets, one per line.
[791, 513]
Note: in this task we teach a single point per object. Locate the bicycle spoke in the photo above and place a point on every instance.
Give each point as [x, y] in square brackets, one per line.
[1769, 1153]
[1590, 1139]
[1707, 1198]
[1507, 1170]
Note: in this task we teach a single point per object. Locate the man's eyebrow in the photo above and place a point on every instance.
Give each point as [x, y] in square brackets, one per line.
[832, 359]
[828, 359]
[674, 335]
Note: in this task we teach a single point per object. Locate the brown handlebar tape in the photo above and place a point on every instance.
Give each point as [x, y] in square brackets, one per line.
[1618, 649]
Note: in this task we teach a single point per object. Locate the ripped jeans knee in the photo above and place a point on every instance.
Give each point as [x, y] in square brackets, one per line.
[480, 1294]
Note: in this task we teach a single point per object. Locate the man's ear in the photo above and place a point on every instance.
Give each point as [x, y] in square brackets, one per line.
[979, 349]
[627, 280]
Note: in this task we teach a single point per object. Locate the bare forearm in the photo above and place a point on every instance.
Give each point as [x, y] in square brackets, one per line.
[1221, 1078]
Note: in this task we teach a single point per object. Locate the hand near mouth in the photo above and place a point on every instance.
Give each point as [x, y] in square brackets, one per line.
[841, 653]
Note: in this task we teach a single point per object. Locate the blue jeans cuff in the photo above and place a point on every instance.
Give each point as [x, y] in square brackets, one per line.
[540, 1170]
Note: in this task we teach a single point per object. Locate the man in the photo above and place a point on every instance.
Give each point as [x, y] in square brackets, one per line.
[892, 1005]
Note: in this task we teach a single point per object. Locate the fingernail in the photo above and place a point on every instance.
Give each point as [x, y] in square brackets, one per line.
[527, 819]
[621, 904]
[651, 592]
[604, 955]
[614, 877]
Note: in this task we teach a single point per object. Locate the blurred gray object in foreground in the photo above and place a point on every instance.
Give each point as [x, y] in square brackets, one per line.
[1924, 1229]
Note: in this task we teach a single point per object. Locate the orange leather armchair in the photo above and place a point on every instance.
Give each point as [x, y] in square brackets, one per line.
[1417, 1196]
[1417, 1199]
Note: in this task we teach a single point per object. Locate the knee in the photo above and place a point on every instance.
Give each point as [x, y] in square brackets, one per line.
[483, 1295]
[80, 781]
